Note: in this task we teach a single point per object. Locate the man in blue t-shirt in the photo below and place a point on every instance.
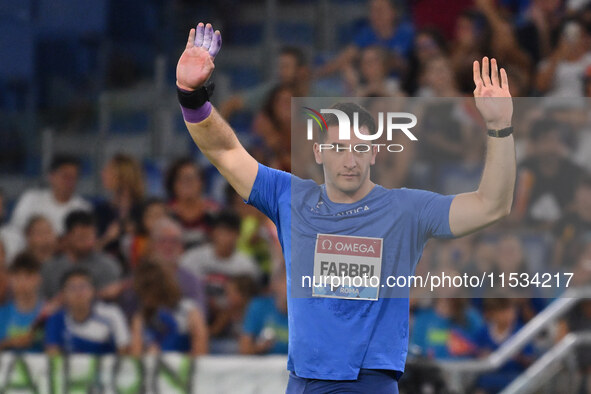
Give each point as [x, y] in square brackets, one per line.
[337, 343]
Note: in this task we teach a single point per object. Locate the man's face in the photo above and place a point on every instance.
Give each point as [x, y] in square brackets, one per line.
[82, 240]
[167, 244]
[41, 236]
[287, 68]
[78, 293]
[346, 171]
[550, 145]
[381, 14]
[63, 180]
[24, 282]
[224, 240]
[188, 183]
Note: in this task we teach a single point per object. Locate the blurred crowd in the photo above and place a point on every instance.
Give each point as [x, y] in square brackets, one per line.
[202, 272]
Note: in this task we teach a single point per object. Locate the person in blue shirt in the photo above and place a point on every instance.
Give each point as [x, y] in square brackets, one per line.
[165, 322]
[501, 323]
[339, 343]
[386, 29]
[449, 330]
[84, 325]
[19, 318]
[265, 329]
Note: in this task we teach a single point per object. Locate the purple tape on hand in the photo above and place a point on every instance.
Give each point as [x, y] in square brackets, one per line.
[199, 32]
[196, 115]
[216, 44]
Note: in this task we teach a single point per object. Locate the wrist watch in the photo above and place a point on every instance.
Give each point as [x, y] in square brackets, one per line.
[501, 133]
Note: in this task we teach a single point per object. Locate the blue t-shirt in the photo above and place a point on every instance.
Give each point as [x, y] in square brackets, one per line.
[401, 41]
[103, 331]
[14, 323]
[441, 338]
[169, 329]
[334, 338]
[262, 314]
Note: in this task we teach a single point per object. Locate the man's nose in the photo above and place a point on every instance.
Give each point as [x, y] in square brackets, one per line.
[349, 160]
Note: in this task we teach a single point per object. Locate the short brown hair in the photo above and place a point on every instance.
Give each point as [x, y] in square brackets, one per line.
[349, 108]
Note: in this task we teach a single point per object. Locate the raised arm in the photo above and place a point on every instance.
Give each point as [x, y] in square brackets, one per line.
[212, 134]
[493, 199]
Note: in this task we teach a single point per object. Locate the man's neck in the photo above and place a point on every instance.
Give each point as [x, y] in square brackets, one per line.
[337, 196]
[60, 197]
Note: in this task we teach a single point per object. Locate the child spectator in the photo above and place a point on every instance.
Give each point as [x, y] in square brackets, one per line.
[80, 250]
[136, 245]
[85, 325]
[265, 329]
[448, 330]
[226, 326]
[501, 324]
[18, 316]
[165, 321]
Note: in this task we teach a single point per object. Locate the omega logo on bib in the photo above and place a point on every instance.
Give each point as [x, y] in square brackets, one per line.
[347, 267]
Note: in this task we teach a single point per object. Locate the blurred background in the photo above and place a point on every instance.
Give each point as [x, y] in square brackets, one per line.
[97, 169]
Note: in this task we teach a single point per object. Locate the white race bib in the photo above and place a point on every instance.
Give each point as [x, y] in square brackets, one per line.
[347, 267]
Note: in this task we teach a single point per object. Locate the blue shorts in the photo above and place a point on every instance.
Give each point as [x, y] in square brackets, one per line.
[375, 381]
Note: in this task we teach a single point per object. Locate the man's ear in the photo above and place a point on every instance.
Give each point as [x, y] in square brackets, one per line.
[317, 154]
[374, 153]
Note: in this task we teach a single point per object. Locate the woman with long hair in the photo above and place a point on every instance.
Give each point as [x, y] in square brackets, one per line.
[165, 321]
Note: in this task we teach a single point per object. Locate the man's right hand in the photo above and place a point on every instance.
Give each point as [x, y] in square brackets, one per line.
[196, 63]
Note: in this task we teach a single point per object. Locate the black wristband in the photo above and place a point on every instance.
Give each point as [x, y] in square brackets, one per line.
[195, 98]
[507, 131]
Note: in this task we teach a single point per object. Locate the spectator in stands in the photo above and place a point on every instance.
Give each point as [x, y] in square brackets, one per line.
[165, 320]
[10, 236]
[79, 250]
[258, 234]
[578, 320]
[40, 238]
[56, 202]
[226, 325]
[85, 325]
[123, 181]
[18, 317]
[184, 186]
[538, 28]
[137, 243]
[561, 74]
[574, 227]
[166, 248]
[372, 79]
[265, 328]
[543, 192]
[220, 258]
[472, 41]
[428, 44]
[273, 125]
[219, 261]
[501, 324]
[292, 69]
[582, 267]
[386, 29]
[448, 330]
